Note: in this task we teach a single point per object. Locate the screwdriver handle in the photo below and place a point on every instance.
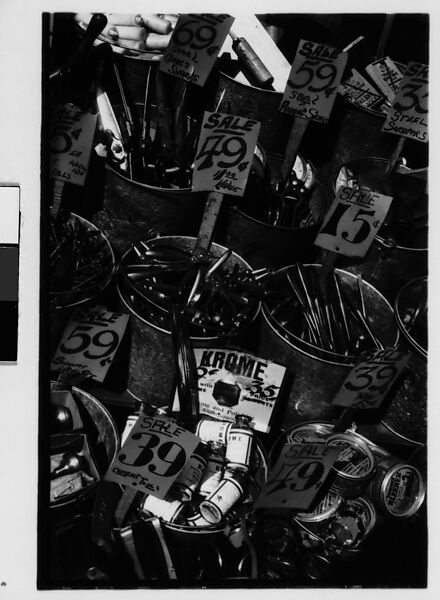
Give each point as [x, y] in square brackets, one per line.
[252, 65]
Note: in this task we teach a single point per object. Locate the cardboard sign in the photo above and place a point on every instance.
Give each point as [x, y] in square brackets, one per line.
[70, 143]
[155, 452]
[408, 116]
[233, 383]
[356, 89]
[313, 82]
[194, 46]
[297, 476]
[386, 75]
[89, 342]
[353, 220]
[368, 383]
[224, 153]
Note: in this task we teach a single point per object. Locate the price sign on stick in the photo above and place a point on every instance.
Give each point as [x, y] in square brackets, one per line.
[224, 153]
[297, 476]
[70, 143]
[353, 220]
[313, 81]
[408, 116]
[155, 452]
[89, 342]
[194, 46]
[370, 380]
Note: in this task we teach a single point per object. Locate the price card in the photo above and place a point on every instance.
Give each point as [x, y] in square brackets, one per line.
[370, 380]
[224, 153]
[155, 452]
[70, 143]
[386, 75]
[89, 342]
[231, 382]
[408, 116]
[313, 82]
[297, 476]
[353, 220]
[194, 46]
[357, 89]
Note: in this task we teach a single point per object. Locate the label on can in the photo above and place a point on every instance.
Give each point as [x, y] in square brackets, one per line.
[403, 491]
[310, 433]
[217, 505]
[198, 520]
[239, 446]
[212, 476]
[213, 431]
[166, 509]
[328, 505]
[354, 460]
[190, 476]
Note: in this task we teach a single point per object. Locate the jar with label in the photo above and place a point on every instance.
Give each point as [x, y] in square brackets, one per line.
[355, 466]
[239, 442]
[228, 493]
[213, 431]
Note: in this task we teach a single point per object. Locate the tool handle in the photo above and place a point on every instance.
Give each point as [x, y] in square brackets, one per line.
[209, 219]
[163, 118]
[96, 25]
[253, 67]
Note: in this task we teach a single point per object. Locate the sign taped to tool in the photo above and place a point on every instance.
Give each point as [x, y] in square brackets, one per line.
[153, 455]
[368, 383]
[297, 476]
[90, 341]
[408, 116]
[70, 143]
[224, 153]
[194, 46]
[313, 82]
[231, 383]
[353, 220]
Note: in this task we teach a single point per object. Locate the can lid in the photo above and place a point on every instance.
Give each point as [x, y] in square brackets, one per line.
[309, 432]
[210, 512]
[356, 461]
[402, 491]
[328, 506]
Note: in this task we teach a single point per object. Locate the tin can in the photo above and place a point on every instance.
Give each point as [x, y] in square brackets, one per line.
[398, 489]
[231, 489]
[327, 507]
[189, 478]
[354, 467]
[197, 520]
[168, 509]
[214, 470]
[309, 433]
[213, 431]
[351, 524]
[239, 446]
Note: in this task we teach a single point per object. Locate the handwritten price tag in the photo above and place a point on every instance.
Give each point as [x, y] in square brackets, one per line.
[298, 475]
[194, 46]
[89, 342]
[408, 116]
[71, 139]
[386, 75]
[353, 220]
[233, 383]
[155, 452]
[357, 90]
[224, 153]
[370, 380]
[313, 82]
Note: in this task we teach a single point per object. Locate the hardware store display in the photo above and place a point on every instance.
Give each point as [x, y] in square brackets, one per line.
[235, 344]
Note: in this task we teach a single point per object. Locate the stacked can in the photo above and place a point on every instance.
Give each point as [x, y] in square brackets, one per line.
[354, 467]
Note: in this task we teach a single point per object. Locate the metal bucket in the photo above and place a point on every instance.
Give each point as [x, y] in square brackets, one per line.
[265, 245]
[103, 439]
[387, 264]
[152, 368]
[318, 374]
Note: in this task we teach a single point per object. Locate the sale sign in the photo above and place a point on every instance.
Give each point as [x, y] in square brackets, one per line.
[313, 82]
[153, 455]
[90, 341]
[194, 46]
[297, 476]
[224, 153]
[353, 220]
[368, 383]
[70, 143]
[408, 116]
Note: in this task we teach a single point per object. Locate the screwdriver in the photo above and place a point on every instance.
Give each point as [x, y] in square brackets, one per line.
[254, 69]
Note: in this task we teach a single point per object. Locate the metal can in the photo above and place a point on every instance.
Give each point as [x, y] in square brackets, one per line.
[327, 507]
[239, 446]
[213, 431]
[354, 520]
[231, 489]
[197, 520]
[309, 433]
[214, 470]
[398, 489]
[354, 467]
[190, 476]
[168, 509]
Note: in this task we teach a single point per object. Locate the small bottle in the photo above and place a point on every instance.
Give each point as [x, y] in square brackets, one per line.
[189, 478]
[168, 509]
[214, 469]
[213, 431]
[215, 508]
[239, 442]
